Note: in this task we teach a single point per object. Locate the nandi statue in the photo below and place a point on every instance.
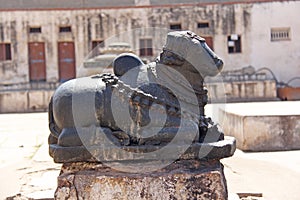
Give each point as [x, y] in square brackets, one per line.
[140, 108]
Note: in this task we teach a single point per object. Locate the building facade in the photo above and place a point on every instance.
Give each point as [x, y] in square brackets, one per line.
[48, 43]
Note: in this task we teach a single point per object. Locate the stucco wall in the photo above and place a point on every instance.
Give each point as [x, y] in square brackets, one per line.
[281, 56]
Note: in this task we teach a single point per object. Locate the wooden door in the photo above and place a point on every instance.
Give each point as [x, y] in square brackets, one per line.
[209, 41]
[66, 61]
[37, 63]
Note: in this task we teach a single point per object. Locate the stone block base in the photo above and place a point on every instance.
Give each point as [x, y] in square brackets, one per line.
[265, 126]
[185, 179]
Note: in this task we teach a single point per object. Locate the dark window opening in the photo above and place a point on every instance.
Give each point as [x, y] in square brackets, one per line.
[203, 25]
[5, 52]
[95, 43]
[175, 27]
[65, 29]
[35, 30]
[234, 44]
[146, 47]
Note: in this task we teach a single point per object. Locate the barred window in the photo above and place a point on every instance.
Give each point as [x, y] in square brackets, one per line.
[280, 34]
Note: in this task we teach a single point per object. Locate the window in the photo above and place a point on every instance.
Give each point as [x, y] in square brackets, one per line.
[65, 29]
[95, 43]
[175, 27]
[5, 52]
[35, 30]
[280, 34]
[234, 44]
[203, 25]
[146, 47]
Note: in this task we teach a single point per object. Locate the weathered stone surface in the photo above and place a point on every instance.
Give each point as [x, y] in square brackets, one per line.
[191, 179]
[242, 91]
[263, 126]
[204, 151]
[24, 100]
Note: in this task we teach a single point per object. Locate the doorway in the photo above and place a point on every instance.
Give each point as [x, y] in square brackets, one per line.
[66, 61]
[37, 64]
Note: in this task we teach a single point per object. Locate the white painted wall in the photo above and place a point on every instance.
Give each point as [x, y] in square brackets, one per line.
[240, 24]
[283, 57]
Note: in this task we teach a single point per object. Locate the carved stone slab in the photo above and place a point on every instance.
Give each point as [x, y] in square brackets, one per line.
[202, 151]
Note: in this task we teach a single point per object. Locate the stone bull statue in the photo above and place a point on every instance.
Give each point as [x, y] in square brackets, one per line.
[140, 104]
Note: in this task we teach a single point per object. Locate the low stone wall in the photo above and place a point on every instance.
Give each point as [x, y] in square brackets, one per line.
[36, 99]
[25, 101]
[242, 91]
[264, 126]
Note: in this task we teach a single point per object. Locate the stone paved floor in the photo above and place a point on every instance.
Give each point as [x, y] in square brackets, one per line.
[26, 168]
[275, 174]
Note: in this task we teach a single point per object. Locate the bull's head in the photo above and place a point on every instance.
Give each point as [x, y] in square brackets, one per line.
[193, 49]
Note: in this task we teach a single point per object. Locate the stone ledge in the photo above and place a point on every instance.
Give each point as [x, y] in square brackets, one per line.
[267, 126]
[203, 151]
[184, 179]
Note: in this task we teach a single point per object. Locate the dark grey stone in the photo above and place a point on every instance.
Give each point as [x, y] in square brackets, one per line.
[201, 151]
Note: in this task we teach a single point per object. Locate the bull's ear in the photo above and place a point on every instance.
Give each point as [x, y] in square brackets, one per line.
[125, 62]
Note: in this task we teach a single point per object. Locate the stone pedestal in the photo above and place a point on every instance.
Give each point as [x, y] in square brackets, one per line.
[263, 126]
[183, 179]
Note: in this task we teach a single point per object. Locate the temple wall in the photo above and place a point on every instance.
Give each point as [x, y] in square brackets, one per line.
[252, 22]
